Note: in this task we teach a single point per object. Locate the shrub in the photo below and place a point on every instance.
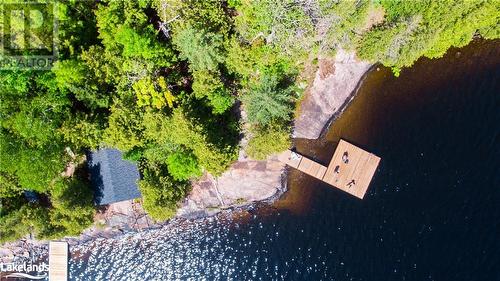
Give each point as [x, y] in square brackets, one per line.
[266, 142]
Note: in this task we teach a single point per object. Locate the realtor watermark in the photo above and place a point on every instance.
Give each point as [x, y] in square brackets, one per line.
[29, 34]
[12, 271]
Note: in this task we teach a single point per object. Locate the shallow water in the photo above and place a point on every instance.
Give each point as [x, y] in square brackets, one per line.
[432, 211]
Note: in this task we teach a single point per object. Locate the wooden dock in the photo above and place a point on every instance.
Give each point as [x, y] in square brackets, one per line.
[58, 261]
[351, 169]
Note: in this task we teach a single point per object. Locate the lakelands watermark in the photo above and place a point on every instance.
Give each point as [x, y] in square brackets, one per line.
[29, 34]
[24, 270]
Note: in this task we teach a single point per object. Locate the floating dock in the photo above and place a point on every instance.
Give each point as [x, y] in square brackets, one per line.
[351, 169]
[58, 261]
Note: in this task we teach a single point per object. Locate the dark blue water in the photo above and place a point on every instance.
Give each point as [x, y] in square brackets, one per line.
[432, 211]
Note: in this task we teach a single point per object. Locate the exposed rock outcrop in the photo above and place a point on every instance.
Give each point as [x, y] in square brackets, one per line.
[330, 92]
[245, 182]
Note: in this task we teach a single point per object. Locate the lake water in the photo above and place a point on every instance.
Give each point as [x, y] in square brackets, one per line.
[432, 212]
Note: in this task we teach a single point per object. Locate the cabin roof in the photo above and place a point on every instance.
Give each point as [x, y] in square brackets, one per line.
[113, 178]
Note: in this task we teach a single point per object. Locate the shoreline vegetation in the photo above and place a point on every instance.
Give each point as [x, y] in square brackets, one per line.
[200, 94]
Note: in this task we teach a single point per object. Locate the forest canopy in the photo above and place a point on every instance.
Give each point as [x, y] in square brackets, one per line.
[167, 81]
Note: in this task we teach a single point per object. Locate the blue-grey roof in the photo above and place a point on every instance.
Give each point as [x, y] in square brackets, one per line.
[113, 178]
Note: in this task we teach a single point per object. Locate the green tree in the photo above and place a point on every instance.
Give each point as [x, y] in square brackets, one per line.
[426, 28]
[9, 186]
[209, 15]
[149, 94]
[112, 15]
[142, 45]
[14, 225]
[124, 127]
[270, 101]
[83, 131]
[33, 108]
[204, 50]
[284, 25]
[179, 130]
[209, 85]
[75, 77]
[73, 207]
[160, 192]
[32, 167]
[183, 166]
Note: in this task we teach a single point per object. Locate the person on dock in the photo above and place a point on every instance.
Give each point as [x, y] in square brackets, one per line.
[337, 172]
[345, 157]
[337, 169]
[351, 183]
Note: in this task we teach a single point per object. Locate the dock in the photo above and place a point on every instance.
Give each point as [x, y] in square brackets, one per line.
[58, 261]
[351, 168]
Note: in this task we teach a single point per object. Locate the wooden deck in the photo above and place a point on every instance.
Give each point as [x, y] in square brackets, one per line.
[303, 164]
[351, 169]
[58, 261]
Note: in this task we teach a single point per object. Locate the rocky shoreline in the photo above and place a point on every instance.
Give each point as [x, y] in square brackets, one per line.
[333, 89]
[246, 182]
